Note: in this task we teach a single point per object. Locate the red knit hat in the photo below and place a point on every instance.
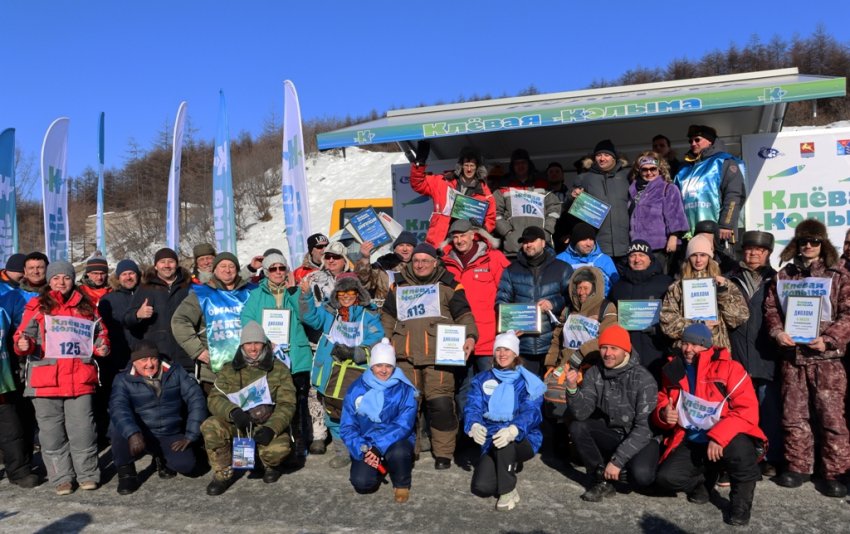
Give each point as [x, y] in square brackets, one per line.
[616, 336]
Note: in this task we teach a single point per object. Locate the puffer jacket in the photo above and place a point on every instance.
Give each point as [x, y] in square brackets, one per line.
[480, 279]
[592, 308]
[436, 186]
[112, 308]
[625, 398]
[51, 376]
[731, 308]
[752, 346]
[612, 188]
[322, 319]
[415, 340]
[527, 413]
[237, 375]
[835, 333]
[649, 284]
[522, 283]
[510, 227]
[717, 376]
[133, 403]
[87, 288]
[398, 417]
[597, 259]
[261, 299]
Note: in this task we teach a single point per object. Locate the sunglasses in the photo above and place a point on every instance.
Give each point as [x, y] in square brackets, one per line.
[811, 242]
[320, 247]
[693, 140]
[333, 257]
[280, 269]
[347, 293]
[644, 170]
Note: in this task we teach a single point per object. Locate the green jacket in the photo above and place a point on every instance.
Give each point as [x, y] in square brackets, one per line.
[237, 374]
[262, 299]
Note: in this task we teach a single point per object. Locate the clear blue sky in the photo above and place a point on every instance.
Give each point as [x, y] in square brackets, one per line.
[137, 60]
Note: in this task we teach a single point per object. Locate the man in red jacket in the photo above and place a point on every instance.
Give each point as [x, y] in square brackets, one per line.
[469, 178]
[709, 412]
[94, 283]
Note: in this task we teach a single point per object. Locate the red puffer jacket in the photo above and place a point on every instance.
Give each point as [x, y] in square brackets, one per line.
[68, 377]
[480, 278]
[436, 186]
[717, 376]
[94, 293]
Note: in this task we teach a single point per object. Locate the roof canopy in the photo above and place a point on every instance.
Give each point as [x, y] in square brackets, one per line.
[568, 123]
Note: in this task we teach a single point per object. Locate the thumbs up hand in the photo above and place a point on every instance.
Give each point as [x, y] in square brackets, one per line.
[145, 311]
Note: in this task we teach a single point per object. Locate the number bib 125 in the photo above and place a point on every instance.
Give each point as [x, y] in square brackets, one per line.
[68, 337]
[418, 302]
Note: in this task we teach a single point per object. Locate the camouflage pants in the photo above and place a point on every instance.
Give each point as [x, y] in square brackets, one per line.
[814, 393]
[218, 441]
[437, 388]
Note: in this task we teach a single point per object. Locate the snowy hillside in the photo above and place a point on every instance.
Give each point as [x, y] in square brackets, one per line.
[330, 177]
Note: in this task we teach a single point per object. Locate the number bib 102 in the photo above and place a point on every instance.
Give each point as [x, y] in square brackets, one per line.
[418, 302]
[68, 337]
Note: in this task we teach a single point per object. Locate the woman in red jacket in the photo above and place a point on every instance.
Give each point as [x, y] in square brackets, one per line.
[61, 331]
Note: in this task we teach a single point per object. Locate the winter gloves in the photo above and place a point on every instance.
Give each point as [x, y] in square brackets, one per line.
[240, 419]
[478, 433]
[342, 352]
[263, 435]
[505, 436]
[423, 149]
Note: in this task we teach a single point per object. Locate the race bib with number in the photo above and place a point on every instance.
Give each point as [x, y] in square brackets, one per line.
[578, 330]
[418, 302]
[68, 337]
[526, 204]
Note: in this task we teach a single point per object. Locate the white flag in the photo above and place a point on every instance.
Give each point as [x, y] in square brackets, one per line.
[296, 209]
[172, 213]
[54, 189]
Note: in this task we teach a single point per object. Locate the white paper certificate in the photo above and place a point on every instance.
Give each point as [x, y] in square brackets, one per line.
[802, 319]
[450, 340]
[699, 299]
[276, 326]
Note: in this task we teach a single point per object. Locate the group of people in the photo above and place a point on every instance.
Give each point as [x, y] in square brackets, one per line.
[261, 365]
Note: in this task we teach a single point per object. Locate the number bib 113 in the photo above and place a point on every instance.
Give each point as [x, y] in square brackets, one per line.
[68, 337]
[418, 302]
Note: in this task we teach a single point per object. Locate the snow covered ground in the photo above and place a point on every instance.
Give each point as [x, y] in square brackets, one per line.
[330, 177]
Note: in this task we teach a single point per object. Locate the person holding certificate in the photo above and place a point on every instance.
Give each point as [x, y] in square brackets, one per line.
[274, 306]
[702, 294]
[814, 380]
[502, 415]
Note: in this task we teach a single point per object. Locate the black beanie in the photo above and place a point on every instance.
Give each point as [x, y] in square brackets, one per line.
[405, 238]
[15, 263]
[605, 146]
[701, 130]
[582, 231]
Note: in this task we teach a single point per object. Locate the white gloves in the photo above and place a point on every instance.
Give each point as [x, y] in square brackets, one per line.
[505, 436]
[478, 433]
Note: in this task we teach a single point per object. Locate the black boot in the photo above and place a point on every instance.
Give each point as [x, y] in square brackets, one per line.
[162, 470]
[128, 481]
[600, 489]
[741, 498]
[272, 474]
[221, 481]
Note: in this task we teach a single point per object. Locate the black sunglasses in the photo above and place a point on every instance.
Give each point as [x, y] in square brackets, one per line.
[803, 241]
[330, 256]
[281, 269]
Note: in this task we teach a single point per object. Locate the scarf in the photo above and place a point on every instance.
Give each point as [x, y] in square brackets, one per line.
[345, 313]
[503, 399]
[372, 402]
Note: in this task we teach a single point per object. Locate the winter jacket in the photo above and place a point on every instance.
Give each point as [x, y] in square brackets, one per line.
[510, 227]
[649, 284]
[164, 299]
[717, 376]
[835, 333]
[523, 283]
[527, 412]
[322, 319]
[237, 375]
[480, 279]
[414, 339]
[625, 398]
[52, 376]
[398, 417]
[307, 267]
[261, 299]
[597, 259]
[656, 212]
[591, 308]
[752, 346]
[16, 300]
[133, 404]
[732, 191]
[436, 186]
[87, 288]
[612, 188]
[375, 277]
[731, 308]
[113, 308]
[189, 325]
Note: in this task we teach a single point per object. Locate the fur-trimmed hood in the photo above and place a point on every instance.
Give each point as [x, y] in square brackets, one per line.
[812, 229]
[346, 284]
[593, 301]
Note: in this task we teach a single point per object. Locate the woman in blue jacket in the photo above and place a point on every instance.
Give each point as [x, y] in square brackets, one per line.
[378, 416]
[503, 416]
[350, 324]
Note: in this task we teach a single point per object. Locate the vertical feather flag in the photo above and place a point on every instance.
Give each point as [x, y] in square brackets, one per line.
[54, 189]
[172, 210]
[8, 197]
[224, 216]
[100, 231]
[296, 209]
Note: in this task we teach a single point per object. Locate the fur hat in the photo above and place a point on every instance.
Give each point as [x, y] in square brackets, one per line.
[811, 229]
[706, 227]
[698, 334]
[382, 352]
[252, 332]
[616, 336]
[508, 340]
[700, 243]
[349, 282]
[518, 154]
[756, 238]
[60, 267]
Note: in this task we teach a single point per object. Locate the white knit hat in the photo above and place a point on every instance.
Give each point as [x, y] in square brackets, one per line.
[507, 340]
[383, 352]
